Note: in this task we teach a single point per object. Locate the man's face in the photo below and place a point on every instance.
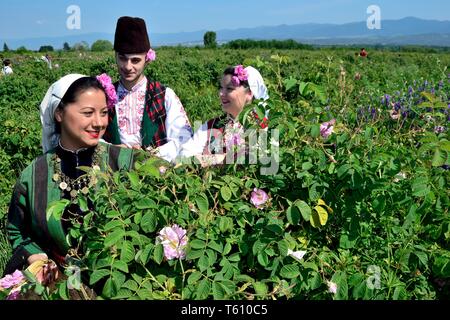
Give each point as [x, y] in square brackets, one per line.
[131, 67]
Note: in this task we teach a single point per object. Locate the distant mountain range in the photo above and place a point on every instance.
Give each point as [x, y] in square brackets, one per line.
[406, 31]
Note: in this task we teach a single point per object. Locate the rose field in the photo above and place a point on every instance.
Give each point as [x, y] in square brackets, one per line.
[348, 197]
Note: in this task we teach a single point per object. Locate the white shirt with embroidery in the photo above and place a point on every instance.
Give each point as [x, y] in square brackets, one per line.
[130, 110]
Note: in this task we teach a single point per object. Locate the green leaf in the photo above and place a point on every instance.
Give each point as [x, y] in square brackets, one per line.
[444, 145]
[202, 204]
[225, 192]
[439, 158]
[419, 187]
[134, 179]
[149, 222]
[120, 265]
[194, 277]
[289, 83]
[293, 215]
[340, 278]
[146, 203]
[198, 244]
[216, 246]
[203, 289]
[112, 224]
[342, 170]
[304, 209]
[263, 258]
[218, 291]
[97, 275]
[302, 88]
[194, 254]
[315, 131]
[127, 252]
[203, 263]
[423, 258]
[114, 237]
[144, 257]
[290, 271]
[225, 224]
[82, 202]
[283, 247]
[111, 214]
[441, 266]
[275, 228]
[158, 253]
[109, 289]
[260, 289]
[131, 284]
[56, 209]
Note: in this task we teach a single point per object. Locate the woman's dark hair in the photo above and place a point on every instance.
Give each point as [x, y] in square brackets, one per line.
[6, 62]
[75, 90]
[78, 87]
[230, 71]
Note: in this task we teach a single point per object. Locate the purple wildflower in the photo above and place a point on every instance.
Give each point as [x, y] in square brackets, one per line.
[326, 128]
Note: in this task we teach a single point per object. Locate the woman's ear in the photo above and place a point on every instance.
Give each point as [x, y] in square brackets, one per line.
[58, 115]
[249, 97]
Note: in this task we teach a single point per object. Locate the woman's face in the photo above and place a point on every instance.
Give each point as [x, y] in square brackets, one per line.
[233, 98]
[83, 122]
[131, 68]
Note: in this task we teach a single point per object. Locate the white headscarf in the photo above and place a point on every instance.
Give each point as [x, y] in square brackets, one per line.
[48, 106]
[256, 83]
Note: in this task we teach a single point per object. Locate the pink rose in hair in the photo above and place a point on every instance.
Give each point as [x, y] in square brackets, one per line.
[151, 55]
[110, 91]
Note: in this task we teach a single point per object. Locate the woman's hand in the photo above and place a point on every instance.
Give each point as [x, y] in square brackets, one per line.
[36, 257]
[46, 271]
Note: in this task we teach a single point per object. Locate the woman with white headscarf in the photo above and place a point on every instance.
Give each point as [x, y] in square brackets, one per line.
[216, 137]
[74, 116]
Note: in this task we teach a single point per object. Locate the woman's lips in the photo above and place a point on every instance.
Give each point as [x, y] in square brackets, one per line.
[94, 135]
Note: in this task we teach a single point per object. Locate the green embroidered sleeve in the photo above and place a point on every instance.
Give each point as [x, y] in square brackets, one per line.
[19, 222]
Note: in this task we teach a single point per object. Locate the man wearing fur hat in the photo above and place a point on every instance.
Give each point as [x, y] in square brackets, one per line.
[147, 114]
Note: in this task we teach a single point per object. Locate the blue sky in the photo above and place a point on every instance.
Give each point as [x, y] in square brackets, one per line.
[44, 18]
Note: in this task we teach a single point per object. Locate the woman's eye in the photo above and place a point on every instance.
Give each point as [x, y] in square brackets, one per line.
[135, 61]
[89, 113]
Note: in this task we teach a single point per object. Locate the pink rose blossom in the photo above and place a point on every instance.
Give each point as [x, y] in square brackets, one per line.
[326, 128]
[11, 280]
[110, 91]
[151, 55]
[332, 287]
[162, 170]
[174, 241]
[258, 198]
[13, 295]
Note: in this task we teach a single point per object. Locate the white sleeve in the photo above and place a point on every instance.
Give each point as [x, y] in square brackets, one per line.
[197, 143]
[178, 128]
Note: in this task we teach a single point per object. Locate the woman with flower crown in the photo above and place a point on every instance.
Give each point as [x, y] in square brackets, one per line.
[239, 87]
[74, 116]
